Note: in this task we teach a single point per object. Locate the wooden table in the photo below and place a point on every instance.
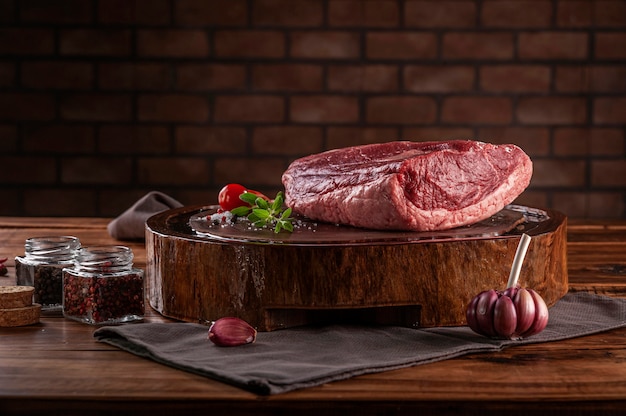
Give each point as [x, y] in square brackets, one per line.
[56, 367]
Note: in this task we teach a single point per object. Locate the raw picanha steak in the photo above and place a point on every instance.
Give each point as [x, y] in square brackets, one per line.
[420, 186]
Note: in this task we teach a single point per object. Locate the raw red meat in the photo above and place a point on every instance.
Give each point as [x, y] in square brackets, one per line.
[420, 186]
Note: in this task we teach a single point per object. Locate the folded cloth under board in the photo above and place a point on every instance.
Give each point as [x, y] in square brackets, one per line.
[296, 358]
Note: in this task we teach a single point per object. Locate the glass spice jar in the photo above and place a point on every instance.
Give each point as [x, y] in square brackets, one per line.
[42, 267]
[103, 287]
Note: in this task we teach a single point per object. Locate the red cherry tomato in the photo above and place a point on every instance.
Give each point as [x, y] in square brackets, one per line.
[228, 197]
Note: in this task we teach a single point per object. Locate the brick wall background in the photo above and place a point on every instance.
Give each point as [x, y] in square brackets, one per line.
[102, 101]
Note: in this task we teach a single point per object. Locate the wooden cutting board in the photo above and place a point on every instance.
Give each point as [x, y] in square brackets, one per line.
[325, 273]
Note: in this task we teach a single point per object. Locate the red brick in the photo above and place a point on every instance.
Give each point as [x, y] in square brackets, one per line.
[515, 78]
[61, 11]
[95, 42]
[605, 142]
[57, 74]
[572, 78]
[579, 141]
[29, 170]
[358, 13]
[249, 108]
[371, 78]
[7, 74]
[535, 141]
[608, 173]
[324, 109]
[267, 171]
[174, 171]
[447, 14]
[113, 202]
[96, 170]
[477, 110]
[573, 13]
[591, 78]
[96, 107]
[249, 44]
[572, 204]
[610, 78]
[611, 13]
[24, 106]
[606, 205]
[438, 78]
[26, 41]
[211, 12]
[401, 110]
[610, 45]
[609, 110]
[203, 76]
[597, 13]
[172, 107]
[289, 13]
[12, 204]
[287, 140]
[463, 45]
[401, 45]
[325, 45]
[552, 110]
[58, 138]
[341, 136]
[517, 14]
[199, 196]
[175, 43]
[211, 140]
[558, 173]
[60, 202]
[133, 139]
[8, 137]
[287, 77]
[145, 12]
[134, 76]
[570, 141]
[7, 11]
[424, 134]
[553, 45]
[533, 198]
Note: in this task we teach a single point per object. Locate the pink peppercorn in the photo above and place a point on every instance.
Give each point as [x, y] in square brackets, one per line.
[103, 287]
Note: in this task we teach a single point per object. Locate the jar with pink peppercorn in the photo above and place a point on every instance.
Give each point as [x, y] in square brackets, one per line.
[103, 287]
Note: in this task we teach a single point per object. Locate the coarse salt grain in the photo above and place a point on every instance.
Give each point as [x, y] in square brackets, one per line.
[225, 217]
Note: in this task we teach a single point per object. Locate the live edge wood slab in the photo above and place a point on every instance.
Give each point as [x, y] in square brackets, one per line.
[199, 272]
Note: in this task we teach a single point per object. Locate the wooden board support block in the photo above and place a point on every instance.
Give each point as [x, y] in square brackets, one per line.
[385, 278]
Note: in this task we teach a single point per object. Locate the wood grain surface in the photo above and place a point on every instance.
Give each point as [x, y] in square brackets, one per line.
[343, 273]
[56, 367]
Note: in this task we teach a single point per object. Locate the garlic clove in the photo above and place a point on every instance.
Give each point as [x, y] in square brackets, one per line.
[504, 317]
[541, 315]
[470, 315]
[484, 311]
[510, 291]
[231, 332]
[525, 308]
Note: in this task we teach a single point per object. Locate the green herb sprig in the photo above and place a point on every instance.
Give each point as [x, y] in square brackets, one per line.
[262, 213]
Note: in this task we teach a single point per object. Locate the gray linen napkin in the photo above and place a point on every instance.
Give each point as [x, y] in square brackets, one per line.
[130, 225]
[290, 359]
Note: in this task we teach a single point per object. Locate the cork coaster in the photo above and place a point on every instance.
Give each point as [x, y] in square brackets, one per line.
[16, 296]
[20, 316]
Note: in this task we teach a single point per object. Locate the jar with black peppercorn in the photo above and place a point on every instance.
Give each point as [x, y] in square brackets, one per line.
[42, 267]
[103, 287]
